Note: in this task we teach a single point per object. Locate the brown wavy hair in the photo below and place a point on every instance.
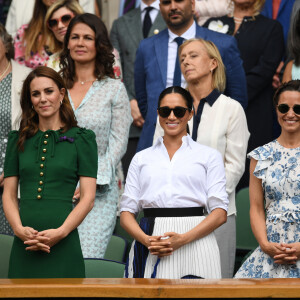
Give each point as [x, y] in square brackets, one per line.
[104, 57]
[30, 120]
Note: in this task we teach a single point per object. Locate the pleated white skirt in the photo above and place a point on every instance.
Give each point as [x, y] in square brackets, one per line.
[200, 258]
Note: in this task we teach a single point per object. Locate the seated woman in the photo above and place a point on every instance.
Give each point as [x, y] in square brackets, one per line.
[47, 156]
[275, 195]
[174, 182]
[203, 70]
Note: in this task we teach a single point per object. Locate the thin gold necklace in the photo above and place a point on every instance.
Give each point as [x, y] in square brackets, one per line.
[2, 74]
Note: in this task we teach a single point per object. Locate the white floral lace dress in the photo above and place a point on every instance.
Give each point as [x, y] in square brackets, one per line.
[105, 109]
[279, 169]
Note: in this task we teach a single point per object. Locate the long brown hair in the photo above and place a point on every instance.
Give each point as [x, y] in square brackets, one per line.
[30, 120]
[104, 58]
[35, 37]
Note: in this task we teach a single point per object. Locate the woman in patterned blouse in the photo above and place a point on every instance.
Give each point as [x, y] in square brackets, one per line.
[100, 103]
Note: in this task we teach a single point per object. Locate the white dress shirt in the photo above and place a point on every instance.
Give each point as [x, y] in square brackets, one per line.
[153, 12]
[172, 53]
[223, 126]
[195, 177]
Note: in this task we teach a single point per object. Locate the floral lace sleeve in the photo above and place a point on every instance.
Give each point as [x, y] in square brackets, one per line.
[36, 59]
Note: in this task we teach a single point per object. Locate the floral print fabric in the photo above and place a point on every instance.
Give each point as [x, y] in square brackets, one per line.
[105, 109]
[36, 59]
[279, 170]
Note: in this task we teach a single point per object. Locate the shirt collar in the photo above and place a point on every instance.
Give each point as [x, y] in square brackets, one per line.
[155, 5]
[189, 34]
[186, 140]
[212, 97]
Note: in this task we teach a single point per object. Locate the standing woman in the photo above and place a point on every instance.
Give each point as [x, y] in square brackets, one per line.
[12, 76]
[261, 44]
[173, 182]
[100, 103]
[275, 195]
[57, 21]
[47, 156]
[30, 39]
[218, 122]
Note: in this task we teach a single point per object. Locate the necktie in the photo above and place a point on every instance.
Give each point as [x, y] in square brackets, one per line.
[147, 21]
[129, 5]
[177, 73]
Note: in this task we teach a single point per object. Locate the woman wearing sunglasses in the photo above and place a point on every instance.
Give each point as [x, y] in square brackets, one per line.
[275, 194]
[174, 182]
[218, 122]
[57, 21]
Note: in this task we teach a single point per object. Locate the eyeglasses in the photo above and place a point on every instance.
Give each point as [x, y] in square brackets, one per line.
[178, 111]
[284, 108]
[65, 19]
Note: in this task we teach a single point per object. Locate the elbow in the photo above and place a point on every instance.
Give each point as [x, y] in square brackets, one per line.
[91, 205]
[122, 221]
[223, 218]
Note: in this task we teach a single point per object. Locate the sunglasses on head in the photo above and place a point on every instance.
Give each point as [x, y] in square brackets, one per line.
[284, 108]
[65, 19]
[178, 111]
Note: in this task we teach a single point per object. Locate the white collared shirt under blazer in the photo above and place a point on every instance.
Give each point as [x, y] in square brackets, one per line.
[194, 177]
[223, 126]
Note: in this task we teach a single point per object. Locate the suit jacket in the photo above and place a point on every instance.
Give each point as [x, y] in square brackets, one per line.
[151, 74]
[126, 35]
[19, 73]
[284, 14]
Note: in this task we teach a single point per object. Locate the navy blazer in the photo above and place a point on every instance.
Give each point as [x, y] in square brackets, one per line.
[283, 16]
[150, 74]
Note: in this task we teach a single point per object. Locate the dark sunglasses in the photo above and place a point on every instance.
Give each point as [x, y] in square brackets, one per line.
[178, 111]
[284, 108]
[65, 19]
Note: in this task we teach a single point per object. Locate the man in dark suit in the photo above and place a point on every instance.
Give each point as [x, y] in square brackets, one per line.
[156, 61]
[126, 35]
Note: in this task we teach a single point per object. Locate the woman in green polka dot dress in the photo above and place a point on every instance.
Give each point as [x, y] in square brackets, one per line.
[47, 157]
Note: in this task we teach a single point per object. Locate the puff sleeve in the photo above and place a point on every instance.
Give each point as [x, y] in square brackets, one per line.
[264, 157]
[11, 164]
[87, 157]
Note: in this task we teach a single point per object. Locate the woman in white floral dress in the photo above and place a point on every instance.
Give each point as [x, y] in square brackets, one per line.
[100, 103]
[275, 178]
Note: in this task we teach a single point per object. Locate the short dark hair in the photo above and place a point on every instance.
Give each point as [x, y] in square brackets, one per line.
[177, 90]
[104, 58]
[29, 120]
[7, 42]
[293, 85]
